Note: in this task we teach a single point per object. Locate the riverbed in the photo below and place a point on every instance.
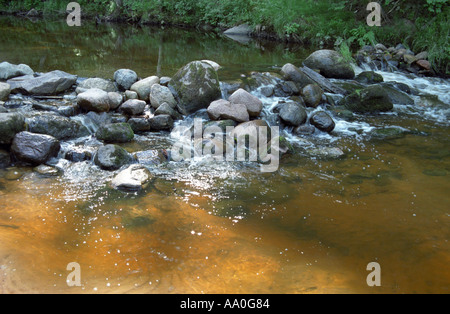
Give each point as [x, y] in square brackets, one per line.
[313, 226]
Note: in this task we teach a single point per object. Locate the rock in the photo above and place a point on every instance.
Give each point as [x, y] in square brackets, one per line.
[246, 128]
[369, 77]
[367, 100]
[112, 157]
[293, 113]
[32, 13]
[291, 73]
[322, 121]
[323, 82]
[241, 30]
[326, 152]
[133, 107]
[161, 122]
[143, 87]
[78, 155]
[164, 80]
[396, 96]
[5, 90]
[165, 108]
[422, 55]
[388, 133]
[115, 133]
[33, 148]
[50, 83]
[125, 78]
[5, 159]
[99, 83]
[195, 86]
[424, 64]
[251, 102]
[215, 65]
[46, 171]
[304, 129]
[409, 59]
[131, 95]
[160, 94]
[10, 125]
[95, 100]
[222, 109]
[380, 47]
[312, 95]
[8, 70]
[139, 125]
[56, 126]
[115, 100]
[330, 63]
[152, 157]
[133, 179]
[222, 124]
[285, 89]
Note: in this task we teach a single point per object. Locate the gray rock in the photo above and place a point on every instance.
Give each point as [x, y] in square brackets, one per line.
[125, 78]
[8, 70]
[330, 63]
[10, 125]
[246, 128]
[143, 87]
[368, 100]
[5, 90]
[322, 121]
[50, 83]
[100, 83]
[242, 30]
[195, 86]
[305, 129]
[33, 148]
[161, 122]
[369, 77]
[293, 113]
[133, 107]
[323, 82]
[312, 95]
[165, 108]
[291, 73]
[160, 94]
[251, 102]
[112, 157]
[326, 152]
[131, 95]
[152, 157]
[139, 125]
[164, 80]
[94, 99]
[56, 126]
[397, 96]
[133, 179]
[222, 110]
[115, 133]
[46, 171]
[115, 100]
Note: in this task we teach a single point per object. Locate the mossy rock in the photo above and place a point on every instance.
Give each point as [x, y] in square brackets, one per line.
[115, 133]
[368, 100]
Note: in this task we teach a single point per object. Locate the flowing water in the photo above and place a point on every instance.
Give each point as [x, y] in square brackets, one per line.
[313, 226]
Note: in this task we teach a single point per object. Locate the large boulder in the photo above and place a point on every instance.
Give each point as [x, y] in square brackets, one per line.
[5, 90]
[125, 78]
[293, 113]
[133, 107]
[115, 133]
[144, 86]
[33, 148]
[56, 126]
[322, 121]
[112, 157]
[96, 82]
[252, 103]
[50, 83]
[10, 125]
[8, 70]
[94, 99]
[195, 86]
[160, 94]
[222, 109]
[367, 100]
[133, 179]
[330, 63]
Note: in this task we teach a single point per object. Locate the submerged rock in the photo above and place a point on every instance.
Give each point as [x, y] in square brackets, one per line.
[330, 63]
[34, 148]
[46, 171]
[132, 179]
[195, 86]
[112, 157]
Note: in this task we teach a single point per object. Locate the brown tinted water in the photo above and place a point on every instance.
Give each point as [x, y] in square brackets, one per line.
[311, 227]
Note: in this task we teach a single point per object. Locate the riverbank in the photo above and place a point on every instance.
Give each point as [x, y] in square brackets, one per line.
[324, 24]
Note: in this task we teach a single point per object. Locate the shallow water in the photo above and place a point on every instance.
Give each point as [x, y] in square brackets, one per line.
[204, 227]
